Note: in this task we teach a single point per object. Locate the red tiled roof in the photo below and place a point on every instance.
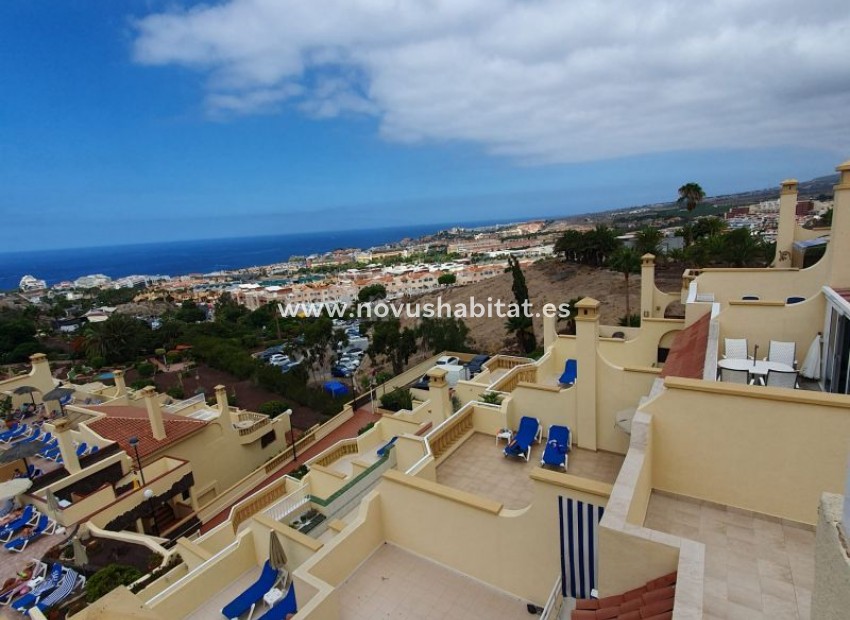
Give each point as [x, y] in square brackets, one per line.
[122, 422]
[687, 355]
[654, 601]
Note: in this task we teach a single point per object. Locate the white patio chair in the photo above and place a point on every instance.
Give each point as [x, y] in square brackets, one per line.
[781, 378]
[728, 375]
[736, 349]
[782, 352]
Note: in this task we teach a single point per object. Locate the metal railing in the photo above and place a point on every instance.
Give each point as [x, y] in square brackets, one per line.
[175, 407]
[289, 504]
[554, 603]
[353, 491]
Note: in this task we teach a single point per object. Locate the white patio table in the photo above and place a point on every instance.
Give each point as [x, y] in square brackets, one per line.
[758, 367]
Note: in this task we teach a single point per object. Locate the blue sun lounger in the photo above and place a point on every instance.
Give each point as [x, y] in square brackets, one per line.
[28, 517]
[557, 447]
[44, 526]
[253, 595]
[50, 582]
[570, 372]
[11, 435]
[70, 581]
[529, 431]
[285, 606]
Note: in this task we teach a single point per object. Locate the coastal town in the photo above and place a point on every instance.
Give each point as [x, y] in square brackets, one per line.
[413, 267]
[218, 458]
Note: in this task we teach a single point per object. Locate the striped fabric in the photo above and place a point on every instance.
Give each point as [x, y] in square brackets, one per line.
[62, 591]
[579, 527]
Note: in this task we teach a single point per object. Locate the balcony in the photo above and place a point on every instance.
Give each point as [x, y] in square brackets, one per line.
[249, 425]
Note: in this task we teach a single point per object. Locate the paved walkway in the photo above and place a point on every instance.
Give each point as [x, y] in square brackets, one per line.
[348, 429]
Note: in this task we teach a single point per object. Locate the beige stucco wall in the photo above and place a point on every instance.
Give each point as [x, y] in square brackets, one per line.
[642, 349]
[214, 576]
[218, 458]
[502, 553]
[760, 324]
[770, 450]
[617, 389]
[831, 595]
[767, 284]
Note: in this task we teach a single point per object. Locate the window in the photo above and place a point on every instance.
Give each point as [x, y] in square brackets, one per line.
[267, 439]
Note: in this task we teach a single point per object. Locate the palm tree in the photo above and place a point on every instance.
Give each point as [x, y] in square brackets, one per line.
[627, 262]
[648, 241]
[691, 194]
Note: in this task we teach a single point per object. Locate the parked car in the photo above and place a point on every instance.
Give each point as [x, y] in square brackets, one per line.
[476, 364]
[339, 371]
[445, 360]
[279, 359]
[422, 383]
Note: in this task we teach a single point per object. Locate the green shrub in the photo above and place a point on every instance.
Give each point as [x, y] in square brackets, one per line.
[397, 399]
[145, 369]
[492, 398]
[365, 428]
[632, 320]
[273, 408]
[107, 579]
[141, 384]
[176, 391]
[97, 361]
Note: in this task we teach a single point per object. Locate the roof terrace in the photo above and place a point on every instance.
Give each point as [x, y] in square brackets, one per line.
[479, 466]
[398, 584]
[755, 567]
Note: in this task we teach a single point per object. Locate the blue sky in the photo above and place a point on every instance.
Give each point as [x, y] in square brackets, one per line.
[141, 120]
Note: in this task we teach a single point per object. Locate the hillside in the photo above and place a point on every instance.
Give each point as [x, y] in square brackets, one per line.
[550, 281]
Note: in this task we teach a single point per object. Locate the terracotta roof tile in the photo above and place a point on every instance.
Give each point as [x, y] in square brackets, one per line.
[122, 422]
[687, 355]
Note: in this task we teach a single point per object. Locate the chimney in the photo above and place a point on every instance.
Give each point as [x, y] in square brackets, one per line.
[62, 431]
[154, 413]
[40, 375]
[221, 398]
[787, 223]
[647, 285]
[120, 385]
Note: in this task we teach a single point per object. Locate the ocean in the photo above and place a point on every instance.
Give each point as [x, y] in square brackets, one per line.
[197, 256]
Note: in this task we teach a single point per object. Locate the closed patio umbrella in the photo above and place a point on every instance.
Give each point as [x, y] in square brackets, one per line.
[811, 365]
[277, 556]
[26, 389]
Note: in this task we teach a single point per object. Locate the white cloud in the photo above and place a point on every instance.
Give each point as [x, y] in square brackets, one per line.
[536, 80]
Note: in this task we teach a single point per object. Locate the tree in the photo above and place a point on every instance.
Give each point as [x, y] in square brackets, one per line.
[444, 334]
[373, 292]
[447, 279]
[392, 342]
[691, 194]
[627, 262]
[686, 232]
[227, 310]
[189, 312]
[648, 241]
[521, 323]
[273, 408]
[740, 248]
[711, 226]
